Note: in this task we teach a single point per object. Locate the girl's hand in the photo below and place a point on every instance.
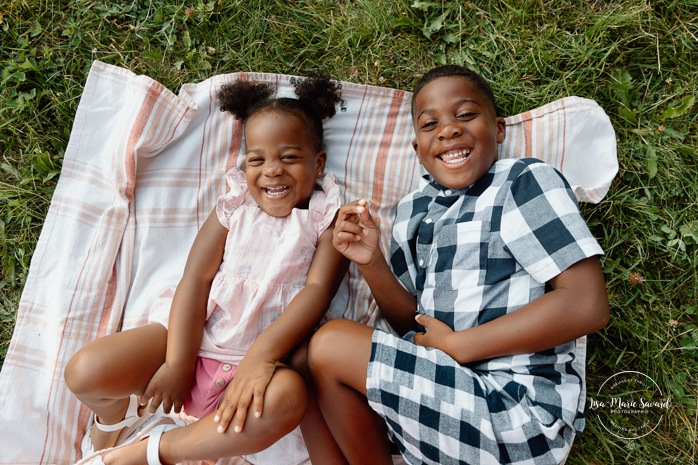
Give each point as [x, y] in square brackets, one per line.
[168, 386]
[435, 334]
[356, 234]
[246, 389]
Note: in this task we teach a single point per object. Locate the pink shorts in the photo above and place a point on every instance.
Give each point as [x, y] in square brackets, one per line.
[212, 377]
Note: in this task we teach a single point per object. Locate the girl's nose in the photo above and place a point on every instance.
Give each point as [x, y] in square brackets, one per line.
[272, 169]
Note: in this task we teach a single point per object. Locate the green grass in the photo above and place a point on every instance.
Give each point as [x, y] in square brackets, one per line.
[636, 58]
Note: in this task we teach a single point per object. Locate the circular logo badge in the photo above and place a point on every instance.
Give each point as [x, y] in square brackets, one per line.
[633, 403]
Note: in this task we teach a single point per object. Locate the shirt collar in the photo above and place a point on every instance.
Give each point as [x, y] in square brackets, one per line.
[433, 189]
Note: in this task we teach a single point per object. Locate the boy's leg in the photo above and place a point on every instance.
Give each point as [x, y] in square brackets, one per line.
[105, 372]
[321, 445]
[338, 358]
[284, 406]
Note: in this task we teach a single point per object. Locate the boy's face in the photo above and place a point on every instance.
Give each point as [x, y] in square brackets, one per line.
[457, 131]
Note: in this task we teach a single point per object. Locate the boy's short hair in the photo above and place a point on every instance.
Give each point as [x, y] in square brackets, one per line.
[477, 81]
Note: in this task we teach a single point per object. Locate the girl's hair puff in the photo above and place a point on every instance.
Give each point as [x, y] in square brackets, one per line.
[240, 97]
[318, 95]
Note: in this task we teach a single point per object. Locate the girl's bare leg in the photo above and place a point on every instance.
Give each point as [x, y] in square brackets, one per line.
[338, 358]
[322, 448]
[284, 407]
[105, 372]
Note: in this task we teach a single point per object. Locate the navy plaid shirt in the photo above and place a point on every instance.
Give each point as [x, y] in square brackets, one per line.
[471, 255]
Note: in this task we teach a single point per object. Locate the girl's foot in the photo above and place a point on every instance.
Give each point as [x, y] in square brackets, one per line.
[142, 452]
[102, 436]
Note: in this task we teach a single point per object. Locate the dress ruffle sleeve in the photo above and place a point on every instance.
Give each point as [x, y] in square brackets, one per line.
[234, 198]
[326, 208]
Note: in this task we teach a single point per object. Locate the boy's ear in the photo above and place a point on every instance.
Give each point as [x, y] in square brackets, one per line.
[501, 129]
[415, 146]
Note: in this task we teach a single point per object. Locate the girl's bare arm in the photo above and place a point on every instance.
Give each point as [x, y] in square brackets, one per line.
[187, 317]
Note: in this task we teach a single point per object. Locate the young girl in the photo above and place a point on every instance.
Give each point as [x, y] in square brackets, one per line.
[260, 275]
[497, 278]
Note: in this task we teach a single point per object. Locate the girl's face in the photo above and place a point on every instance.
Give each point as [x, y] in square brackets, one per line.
[457, 131]
[281, 163]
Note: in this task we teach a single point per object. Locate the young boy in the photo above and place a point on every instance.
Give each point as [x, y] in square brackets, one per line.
[495, 281]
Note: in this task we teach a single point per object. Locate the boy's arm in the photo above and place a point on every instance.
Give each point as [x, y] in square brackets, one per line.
[172, 382]
[291, 327]
[576, 305]
[357, 236]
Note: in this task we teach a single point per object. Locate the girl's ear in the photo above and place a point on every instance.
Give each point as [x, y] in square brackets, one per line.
[501, 129]
[415, 146]
[320, 160]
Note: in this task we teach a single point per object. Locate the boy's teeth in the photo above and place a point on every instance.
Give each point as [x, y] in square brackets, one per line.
[455, 157]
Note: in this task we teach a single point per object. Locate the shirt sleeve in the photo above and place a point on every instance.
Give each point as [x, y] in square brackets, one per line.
[542, 226]
[403, 244]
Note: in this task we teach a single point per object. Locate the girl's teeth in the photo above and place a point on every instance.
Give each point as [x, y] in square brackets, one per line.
[276, 190]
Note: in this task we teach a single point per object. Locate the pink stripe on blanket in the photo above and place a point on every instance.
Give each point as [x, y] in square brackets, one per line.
[385, 145]
[151, 98]
[528, 134]
[564, 136]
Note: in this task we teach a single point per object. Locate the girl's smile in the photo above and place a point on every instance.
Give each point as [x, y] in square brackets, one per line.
[281, 163]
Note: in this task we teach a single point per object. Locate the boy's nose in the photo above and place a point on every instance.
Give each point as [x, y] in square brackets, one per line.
[449, 130]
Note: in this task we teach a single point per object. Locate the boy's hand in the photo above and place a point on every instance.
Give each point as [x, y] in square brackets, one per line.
[168, 386]
[356, 234]
[246, 390]
[435, 332]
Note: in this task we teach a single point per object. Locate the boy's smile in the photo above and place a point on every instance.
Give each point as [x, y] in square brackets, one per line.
[457, 131]
[281, 163]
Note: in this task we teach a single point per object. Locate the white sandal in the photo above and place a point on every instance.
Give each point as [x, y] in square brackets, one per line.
[130, 422]
[152, 451]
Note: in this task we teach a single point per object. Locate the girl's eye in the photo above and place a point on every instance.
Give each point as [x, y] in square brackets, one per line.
[255, 161]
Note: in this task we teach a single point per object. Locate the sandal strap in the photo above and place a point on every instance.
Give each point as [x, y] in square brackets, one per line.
[152, 451]
[130, 418]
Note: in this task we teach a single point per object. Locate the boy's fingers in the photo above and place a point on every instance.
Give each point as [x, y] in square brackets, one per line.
[344, 237]
[349, 211]
[347, 227]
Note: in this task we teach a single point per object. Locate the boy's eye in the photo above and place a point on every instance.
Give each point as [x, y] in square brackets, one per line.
[255, 161]
[466, 115]
[428, 124]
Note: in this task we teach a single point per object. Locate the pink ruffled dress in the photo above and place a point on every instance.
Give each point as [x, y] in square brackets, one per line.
[265, 264]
